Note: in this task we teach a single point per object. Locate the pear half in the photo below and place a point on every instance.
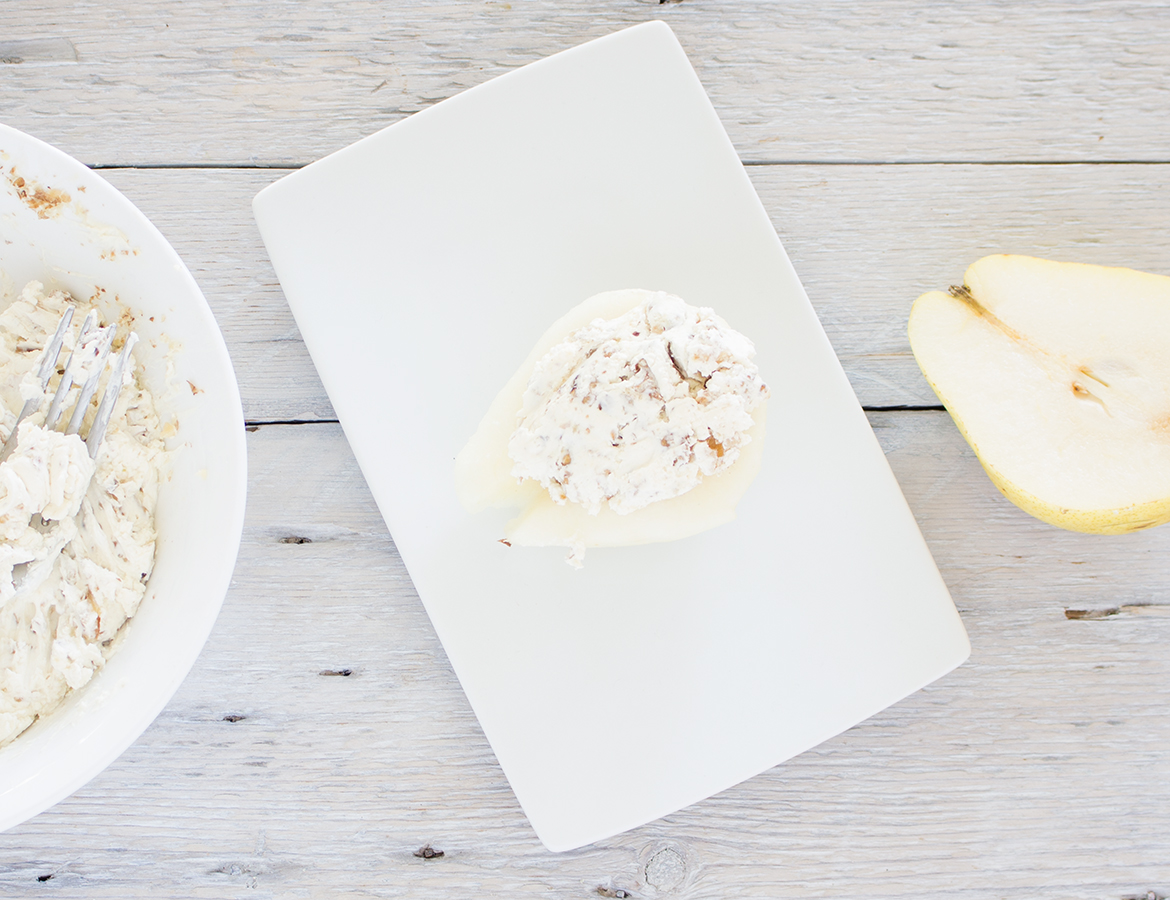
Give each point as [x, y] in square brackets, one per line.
[1058, 376]
[483, 469]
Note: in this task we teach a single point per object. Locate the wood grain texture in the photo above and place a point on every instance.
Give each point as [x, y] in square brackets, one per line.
[283, 83]
[1037, 769]
[865, 240]
[207, 217]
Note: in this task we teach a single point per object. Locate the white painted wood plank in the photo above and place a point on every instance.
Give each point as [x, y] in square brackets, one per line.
[202, 82]
[865, 240]
[1040, 768]
[207, 217]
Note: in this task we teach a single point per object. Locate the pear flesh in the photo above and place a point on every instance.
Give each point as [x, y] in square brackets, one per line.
[484, 479]
[1058, 376]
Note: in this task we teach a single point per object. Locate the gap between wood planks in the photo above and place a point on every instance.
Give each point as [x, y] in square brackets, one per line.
[251, 425]
[285, 164]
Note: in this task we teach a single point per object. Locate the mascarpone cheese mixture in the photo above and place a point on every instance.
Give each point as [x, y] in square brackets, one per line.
[640, 408]
[80, 536]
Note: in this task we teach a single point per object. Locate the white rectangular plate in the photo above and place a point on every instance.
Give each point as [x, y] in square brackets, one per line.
[423, 262]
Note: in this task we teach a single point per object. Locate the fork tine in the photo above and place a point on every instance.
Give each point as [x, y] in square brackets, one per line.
[105, 339]
[53, 349]
[66, 382]
[97, 430]
[48, 363]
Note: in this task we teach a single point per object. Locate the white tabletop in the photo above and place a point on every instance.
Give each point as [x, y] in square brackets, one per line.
[322, 741]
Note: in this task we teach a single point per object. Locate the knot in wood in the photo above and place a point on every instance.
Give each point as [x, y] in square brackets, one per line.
[666, 870]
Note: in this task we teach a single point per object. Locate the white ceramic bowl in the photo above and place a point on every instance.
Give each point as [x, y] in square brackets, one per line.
[95, 238]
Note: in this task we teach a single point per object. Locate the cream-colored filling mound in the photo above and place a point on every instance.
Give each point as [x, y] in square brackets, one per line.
[77, 536]
[637, 418]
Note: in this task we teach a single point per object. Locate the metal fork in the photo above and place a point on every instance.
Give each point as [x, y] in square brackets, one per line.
[85, 366]
[87, 362]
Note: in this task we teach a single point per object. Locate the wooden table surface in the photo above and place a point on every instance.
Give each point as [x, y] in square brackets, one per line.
[322, 739]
